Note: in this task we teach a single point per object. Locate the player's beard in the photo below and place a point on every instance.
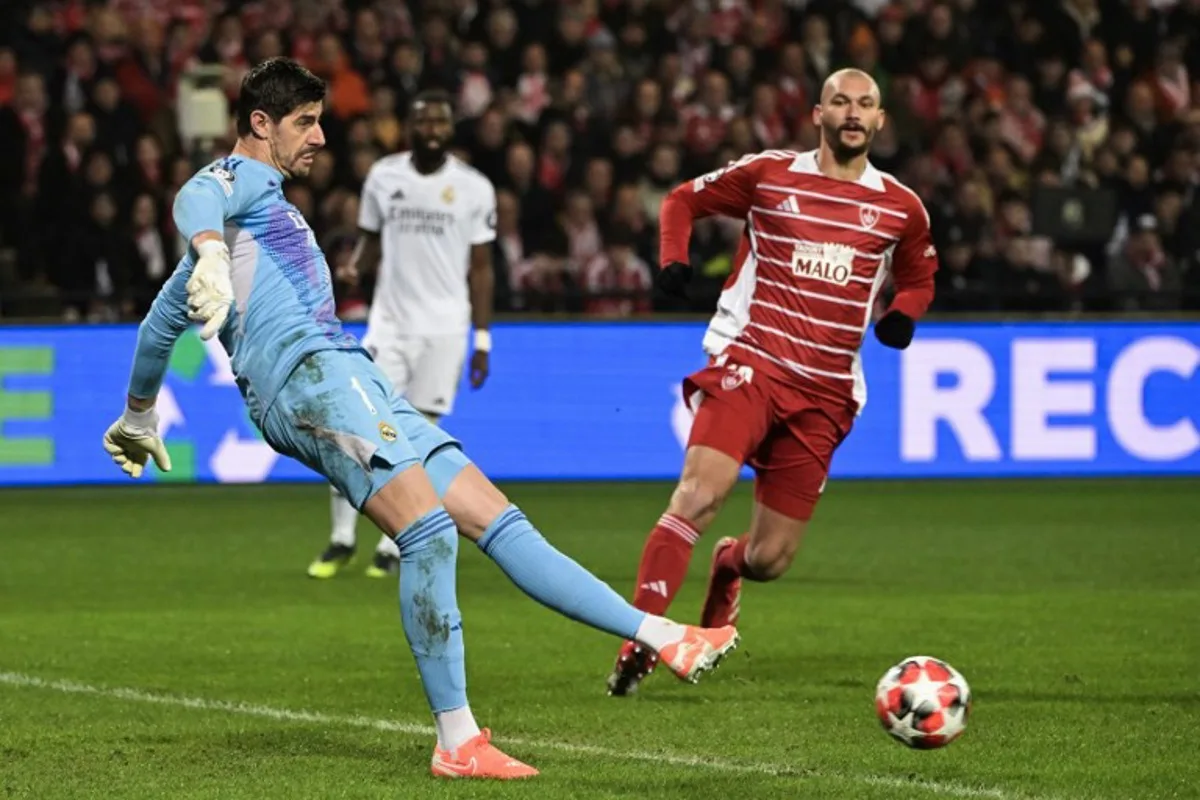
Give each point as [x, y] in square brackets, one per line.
[302, 163]
[428, 156]
[295, 165]
[842, 152]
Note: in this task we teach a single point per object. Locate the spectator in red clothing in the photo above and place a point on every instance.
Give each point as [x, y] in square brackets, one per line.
[937, 91]
[696, 51]
[708, 119]
[1094, 68]
[142, 72]
[769, 126]
[8, 75]
[616, 281]
[1172, 88]
[555, 160]
[533, 85]
[1021, 124]
[646, 111]
[475, 93]
[23, 128]
[725, 20]
[793, 84]
[348, 94]
[543, 278]
[578, 222]
[952, 151]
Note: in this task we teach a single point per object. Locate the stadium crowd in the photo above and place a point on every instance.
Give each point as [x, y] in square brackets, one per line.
[584, 113]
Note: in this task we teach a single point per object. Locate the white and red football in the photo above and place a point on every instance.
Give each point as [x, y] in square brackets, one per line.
[923, 702]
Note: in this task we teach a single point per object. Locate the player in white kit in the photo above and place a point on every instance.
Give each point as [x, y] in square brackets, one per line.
[428, 220]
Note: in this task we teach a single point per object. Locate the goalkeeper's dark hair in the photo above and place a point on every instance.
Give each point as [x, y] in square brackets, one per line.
[277, 87]
[431, 97]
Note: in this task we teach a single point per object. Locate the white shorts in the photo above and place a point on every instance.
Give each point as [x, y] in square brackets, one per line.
[426, 370]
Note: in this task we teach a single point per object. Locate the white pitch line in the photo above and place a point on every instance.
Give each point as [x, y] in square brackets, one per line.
[21, 680]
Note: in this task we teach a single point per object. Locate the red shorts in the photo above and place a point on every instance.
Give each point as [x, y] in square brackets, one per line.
[785, 434]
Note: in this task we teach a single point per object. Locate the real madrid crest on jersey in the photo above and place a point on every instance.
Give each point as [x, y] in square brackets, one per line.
[448, 195]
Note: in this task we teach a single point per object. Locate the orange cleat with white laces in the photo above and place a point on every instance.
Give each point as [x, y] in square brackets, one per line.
[723, 603]
[699, 651]
[479, 759]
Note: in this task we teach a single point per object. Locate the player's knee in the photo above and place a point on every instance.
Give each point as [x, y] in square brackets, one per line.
[406, 496]
[470, 498]
[696, 500]
[766, 561]
[431, 536]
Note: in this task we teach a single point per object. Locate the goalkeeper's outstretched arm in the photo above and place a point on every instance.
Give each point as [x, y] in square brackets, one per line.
[200, 211]
[199, 290]
[156, 338]
[133, 440]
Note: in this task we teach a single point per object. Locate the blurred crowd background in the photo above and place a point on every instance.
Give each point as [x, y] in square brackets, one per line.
[1056, 143]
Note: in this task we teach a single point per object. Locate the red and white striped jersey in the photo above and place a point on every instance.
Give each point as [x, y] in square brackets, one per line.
[813, 257]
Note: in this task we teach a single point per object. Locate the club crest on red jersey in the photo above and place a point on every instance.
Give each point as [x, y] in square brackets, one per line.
[868, 216]
[736, 376]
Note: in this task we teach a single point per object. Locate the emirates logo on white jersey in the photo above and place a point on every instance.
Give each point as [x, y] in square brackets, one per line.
[823, 261]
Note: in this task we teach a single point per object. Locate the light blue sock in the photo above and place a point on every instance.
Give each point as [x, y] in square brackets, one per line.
[554, 580]
[429, 607]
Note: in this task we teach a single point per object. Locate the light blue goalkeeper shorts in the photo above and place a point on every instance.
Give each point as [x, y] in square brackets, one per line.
[339, 416]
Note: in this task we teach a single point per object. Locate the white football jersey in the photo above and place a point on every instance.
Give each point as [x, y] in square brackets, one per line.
[427, 224]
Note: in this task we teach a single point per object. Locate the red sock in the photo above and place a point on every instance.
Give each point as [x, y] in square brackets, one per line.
[664, 563]
[733, 559]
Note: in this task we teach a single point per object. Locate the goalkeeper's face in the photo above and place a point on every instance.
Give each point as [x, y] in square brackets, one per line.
[849, 115]
[295, 140]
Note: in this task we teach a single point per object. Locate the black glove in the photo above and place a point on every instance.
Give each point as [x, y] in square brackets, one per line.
[673, 278]
[895, 330]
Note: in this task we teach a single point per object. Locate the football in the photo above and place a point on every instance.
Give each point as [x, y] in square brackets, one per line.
[923, 702]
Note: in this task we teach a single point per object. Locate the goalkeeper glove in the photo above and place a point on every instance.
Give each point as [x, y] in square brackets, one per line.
[673, 278]
[895, 330]
[210, 289]
[133, 440]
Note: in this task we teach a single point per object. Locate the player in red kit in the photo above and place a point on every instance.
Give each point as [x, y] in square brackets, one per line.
[784, 381]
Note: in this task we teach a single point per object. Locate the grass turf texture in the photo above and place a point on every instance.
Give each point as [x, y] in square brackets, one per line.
[164, 642]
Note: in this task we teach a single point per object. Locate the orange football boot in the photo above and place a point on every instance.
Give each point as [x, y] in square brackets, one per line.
[699, 651]
[479, 759]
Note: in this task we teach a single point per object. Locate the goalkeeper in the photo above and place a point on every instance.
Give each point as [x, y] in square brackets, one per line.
[255, 277]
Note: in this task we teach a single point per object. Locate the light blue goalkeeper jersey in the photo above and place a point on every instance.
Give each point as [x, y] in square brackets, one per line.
[283, 308]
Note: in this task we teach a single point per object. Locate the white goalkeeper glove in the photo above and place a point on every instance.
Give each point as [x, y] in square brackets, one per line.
[210, 289]
[133, 440]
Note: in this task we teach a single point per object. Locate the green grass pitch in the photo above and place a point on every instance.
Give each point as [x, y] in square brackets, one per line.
[163, 642]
